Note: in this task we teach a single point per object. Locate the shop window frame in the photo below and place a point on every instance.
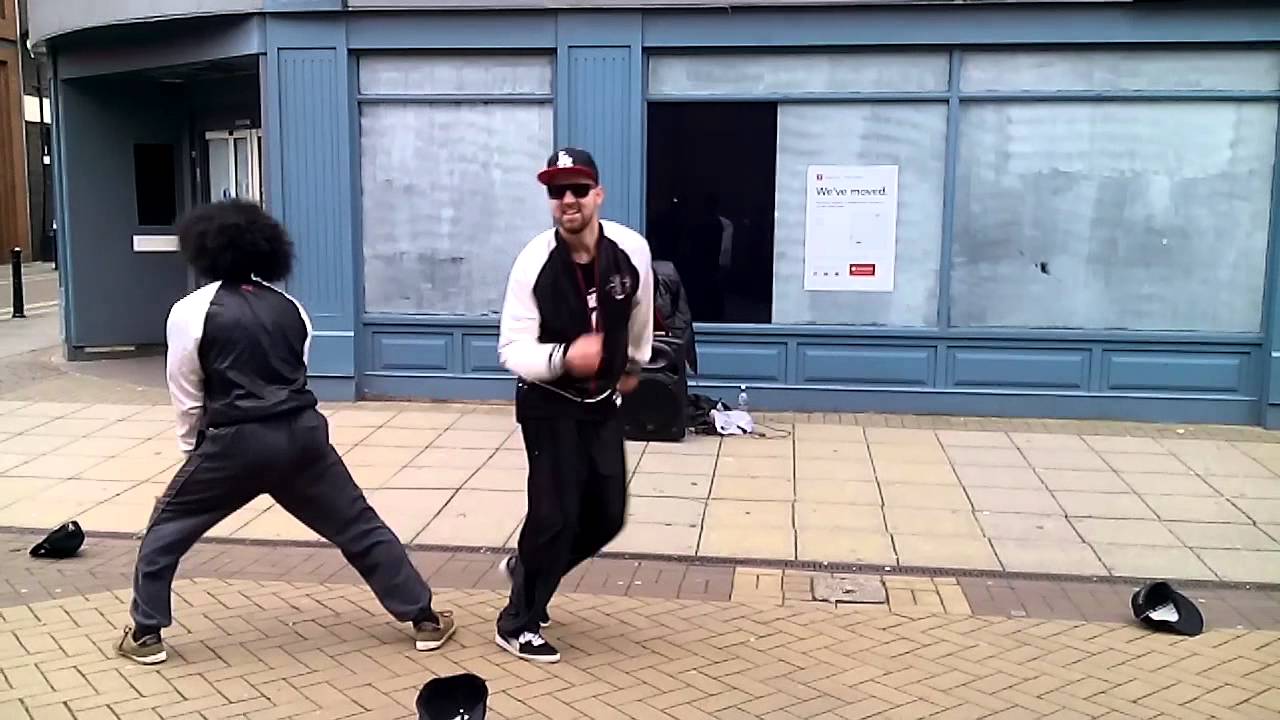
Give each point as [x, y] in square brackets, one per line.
[361, 98]
[955, 98]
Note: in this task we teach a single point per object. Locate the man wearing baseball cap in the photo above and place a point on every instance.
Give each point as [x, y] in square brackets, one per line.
[577, 324]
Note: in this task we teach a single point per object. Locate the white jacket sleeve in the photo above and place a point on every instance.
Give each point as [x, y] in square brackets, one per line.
[519, 350]
[182, 369]
[640, 344]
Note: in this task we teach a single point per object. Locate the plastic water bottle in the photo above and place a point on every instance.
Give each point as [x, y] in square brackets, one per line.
[742, 398]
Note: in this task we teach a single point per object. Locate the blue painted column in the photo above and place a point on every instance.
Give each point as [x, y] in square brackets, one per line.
[308, 138]
[1270, 409]
[600, 103]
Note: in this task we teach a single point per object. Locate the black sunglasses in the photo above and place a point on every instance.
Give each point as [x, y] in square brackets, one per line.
[579, 190]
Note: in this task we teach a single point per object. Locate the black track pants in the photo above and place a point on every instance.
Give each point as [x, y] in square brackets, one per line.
[577, 504]
[291, 459]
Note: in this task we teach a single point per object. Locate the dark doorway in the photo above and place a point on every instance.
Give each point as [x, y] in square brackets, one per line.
[711, 169]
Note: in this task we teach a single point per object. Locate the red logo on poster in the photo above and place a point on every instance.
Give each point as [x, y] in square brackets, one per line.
[867, 270]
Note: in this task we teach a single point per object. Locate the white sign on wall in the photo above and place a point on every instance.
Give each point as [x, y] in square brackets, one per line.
[851, 227]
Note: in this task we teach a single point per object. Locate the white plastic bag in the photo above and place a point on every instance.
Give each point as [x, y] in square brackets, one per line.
[732, 422]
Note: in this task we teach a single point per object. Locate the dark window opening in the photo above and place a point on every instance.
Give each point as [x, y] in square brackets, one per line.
[711, 170]
[155, 184]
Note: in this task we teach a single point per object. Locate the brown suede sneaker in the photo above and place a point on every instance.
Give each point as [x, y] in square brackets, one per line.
[428, 636]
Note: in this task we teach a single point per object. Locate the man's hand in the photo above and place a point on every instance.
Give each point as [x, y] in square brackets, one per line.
[583, 356]
[628, 383]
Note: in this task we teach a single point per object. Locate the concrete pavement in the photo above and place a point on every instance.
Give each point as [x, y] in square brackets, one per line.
[1094, 504]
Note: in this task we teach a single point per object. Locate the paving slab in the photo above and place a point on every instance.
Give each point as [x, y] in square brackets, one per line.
[945, 551]
[1222, 536]
[1243, 565]
[917, 521]
[1106, 531]
[1148, 561]
[1103, 505]
[1033, 556]
[1025, 526]
[999, 477]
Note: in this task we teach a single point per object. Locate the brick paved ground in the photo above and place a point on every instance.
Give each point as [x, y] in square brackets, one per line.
[284, 632]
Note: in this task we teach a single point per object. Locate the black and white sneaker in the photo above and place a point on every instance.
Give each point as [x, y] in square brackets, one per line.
[505, 567]
[529, 646]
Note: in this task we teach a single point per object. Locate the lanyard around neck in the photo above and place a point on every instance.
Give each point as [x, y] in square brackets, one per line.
[582, 283]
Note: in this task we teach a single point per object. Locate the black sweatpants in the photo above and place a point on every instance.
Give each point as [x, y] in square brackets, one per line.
[577, 504]
[289, 458]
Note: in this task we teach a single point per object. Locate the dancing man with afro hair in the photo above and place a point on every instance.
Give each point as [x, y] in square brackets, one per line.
[249, 425]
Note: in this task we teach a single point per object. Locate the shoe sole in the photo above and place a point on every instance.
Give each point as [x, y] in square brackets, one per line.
[506, 573]
[549, 659]
[155, 659]
[429, 645]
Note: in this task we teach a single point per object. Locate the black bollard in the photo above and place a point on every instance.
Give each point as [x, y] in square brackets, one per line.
[19, 311]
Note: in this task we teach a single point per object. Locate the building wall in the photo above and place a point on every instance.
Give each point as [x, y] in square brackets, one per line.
[401, 148]
[1071, 345]
[14, 230]
[37, 110]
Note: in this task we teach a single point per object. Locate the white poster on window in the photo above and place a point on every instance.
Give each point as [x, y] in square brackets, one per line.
[851, 223]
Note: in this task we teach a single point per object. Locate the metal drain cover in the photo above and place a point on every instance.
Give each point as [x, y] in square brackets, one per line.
[849, 589]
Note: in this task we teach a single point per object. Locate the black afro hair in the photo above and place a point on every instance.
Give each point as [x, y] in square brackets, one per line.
[235, 240]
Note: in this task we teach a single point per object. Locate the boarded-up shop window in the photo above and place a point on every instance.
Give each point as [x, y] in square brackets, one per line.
[1118, 70]
[1113, 215]
[909, 135]
[797, 73]
[449, 193]
[452, 75]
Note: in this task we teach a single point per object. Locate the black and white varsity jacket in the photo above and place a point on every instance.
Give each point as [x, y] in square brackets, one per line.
[547, 308]
[237, 353]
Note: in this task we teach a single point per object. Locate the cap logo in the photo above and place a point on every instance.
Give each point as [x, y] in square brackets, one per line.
[563, 160]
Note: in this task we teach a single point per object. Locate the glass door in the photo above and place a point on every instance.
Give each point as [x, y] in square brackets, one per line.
[235, 165]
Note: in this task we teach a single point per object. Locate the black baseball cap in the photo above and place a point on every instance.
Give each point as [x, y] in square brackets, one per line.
[568, 165]
[1158, 606]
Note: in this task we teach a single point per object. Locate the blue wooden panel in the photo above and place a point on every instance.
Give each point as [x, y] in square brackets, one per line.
[411, 352]
[1009, 368]
[480, 354]
[315, 183]
[334, 389]
[742, 361]
[500, 31]
[926, 401]
[1176, 371]
[468, 389]
[331, 353]
[600, 117]
[866, 365]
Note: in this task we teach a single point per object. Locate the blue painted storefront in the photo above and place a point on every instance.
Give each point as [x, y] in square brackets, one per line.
[311, 119]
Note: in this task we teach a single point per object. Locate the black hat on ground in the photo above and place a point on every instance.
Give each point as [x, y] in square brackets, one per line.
[457, 697]
[1158, 606]
[63, 542]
